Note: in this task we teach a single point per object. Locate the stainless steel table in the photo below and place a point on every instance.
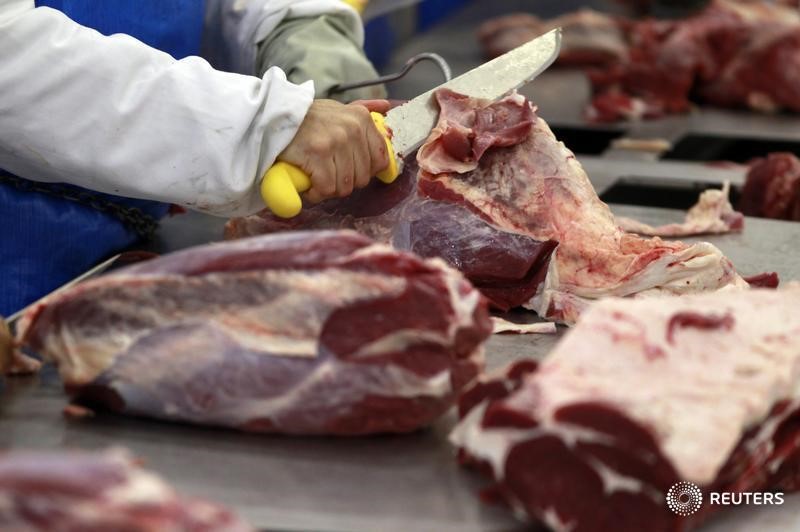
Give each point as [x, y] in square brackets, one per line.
[400, 483]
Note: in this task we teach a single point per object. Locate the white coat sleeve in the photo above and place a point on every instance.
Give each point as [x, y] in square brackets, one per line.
[114, 115]
[233, 28]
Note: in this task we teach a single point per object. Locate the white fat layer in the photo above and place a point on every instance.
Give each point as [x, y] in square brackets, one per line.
[500, 326]
[614, 481]
[400, 340]
[553, 521]
[698, 394]
[140, 487]
[492, 445]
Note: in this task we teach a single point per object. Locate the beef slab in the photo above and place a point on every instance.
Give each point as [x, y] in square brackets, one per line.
[638, 396]
[305, 333]
[494, 195]
[100, 491]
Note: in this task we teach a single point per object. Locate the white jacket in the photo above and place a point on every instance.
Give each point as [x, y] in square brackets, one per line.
[114, 115]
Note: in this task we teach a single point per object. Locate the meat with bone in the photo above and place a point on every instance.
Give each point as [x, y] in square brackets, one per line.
[772, 188]
[83, 491]
[713, 214]
[496, 213]
[639, 396]
[303, 333]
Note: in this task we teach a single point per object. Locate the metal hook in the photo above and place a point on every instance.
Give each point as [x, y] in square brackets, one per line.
[434, 58]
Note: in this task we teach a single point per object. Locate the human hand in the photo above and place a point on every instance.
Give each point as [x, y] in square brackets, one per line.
[338, 147]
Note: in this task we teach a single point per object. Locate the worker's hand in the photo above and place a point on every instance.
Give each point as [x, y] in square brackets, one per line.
[339, 147]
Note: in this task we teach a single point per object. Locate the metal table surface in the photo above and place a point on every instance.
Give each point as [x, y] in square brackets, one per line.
[397, 483]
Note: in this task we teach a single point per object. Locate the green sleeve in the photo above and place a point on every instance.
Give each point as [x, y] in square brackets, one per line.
[320, 49]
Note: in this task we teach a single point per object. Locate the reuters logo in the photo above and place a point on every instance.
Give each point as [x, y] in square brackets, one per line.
[684, 498]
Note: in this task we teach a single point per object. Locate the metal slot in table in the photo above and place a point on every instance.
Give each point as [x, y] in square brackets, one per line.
[665, 193]
[738, 149]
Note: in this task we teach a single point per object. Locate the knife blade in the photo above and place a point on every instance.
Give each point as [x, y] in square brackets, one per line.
[96, 270]
[410, 124]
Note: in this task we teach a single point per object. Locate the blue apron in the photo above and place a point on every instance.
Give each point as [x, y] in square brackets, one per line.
[52, 233]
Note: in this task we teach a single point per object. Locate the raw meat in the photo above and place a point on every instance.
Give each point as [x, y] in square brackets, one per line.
[731, 55]
[638, 396]
[588, 38]
[772, 188]
[764, 280]
[302, 333]
[97, 491]
[713, 214]
[537, 188]
[499, 222]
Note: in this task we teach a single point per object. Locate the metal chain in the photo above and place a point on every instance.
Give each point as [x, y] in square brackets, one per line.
[132, 217]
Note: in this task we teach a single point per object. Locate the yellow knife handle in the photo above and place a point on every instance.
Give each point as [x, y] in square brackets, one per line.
[281, 188]
[390, 173]
[283, 182]
[358, 5]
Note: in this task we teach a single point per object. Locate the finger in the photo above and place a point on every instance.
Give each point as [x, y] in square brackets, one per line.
[345, 169]
[376, 106]
[378, 154]
[361, 160]
[312, 196]
[323, 180]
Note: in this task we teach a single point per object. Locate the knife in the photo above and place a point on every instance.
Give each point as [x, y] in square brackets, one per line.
[408, 126]
[96, 270]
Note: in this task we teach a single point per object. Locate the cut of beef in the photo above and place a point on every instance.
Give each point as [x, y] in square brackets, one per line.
[304, 333]
[538, 189]
[97, 491]
[638, 396]
[713, 214]
[498, 216]
[772, 188]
